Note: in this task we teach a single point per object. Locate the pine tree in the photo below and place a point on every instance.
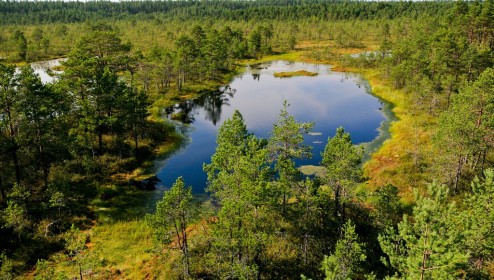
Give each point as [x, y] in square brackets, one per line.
[429, 245]
[346, 260]
[238, 177]
[341, 161]
[285, 146]
[479, 218]
[173, 214]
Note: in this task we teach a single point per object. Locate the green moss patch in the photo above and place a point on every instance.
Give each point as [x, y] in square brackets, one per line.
[295, 74]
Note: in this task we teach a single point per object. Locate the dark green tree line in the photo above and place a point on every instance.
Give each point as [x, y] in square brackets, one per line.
[60, 143]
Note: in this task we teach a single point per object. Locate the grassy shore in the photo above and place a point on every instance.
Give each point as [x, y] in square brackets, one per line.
[295, 74]
[403, 157]
[121, 245]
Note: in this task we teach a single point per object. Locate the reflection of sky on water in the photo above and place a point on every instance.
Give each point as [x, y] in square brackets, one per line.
[329, 99]
[44, 69]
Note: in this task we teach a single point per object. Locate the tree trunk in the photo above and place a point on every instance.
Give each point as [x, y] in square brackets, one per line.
[16, 163]
[459, 169]
[100, 142]
[305, 248]
[136, 140]
[14, 150]
[2, 191]
[185, 245]
[44, 165]
[80, 271]
[425, 256]
[337, 201]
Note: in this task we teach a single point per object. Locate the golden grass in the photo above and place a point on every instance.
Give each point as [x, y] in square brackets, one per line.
[399, 159]
[295, 74]
[117, 250]
[289, 56]
[310, 170]
[126, 250]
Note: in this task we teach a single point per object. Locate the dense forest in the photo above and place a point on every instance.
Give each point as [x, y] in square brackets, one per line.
[74, 152]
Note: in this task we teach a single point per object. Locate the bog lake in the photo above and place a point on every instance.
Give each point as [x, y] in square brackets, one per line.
[329, 100]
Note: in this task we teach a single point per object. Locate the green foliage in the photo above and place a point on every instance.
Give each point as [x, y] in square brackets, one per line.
[285, 145]
[24, 13]
[173, 214]
[44, 271]
[238, 178]
[20, 43]
[250, 221]
[344, 263]
[230, 145]
[6, 268]
[429, 245]
[260, 40]
[75, 241]
[387, 206]
[466, 127]
[60, 141]
[173, 211]
[479, 216]
[341, 161]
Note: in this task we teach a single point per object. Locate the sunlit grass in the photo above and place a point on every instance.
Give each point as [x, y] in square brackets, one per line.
[312, 170]
[289, 56]
[294, 74]
[125, 246]
[119, 250]
[121, 245]
[400, 159]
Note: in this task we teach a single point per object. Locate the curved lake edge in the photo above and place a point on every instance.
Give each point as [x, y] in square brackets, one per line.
[382, 130]
[183, 139]
[388, 107]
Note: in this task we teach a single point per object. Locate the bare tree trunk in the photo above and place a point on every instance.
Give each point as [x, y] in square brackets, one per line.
[14, 150]
[80, 271]
[16, 163]
[44, 166]
[459, 169]
[185, 245]
[337, 200]
[2, 191]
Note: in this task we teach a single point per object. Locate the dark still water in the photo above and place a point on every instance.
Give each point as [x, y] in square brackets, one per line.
[330, 99]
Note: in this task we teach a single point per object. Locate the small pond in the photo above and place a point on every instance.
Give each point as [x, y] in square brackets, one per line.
[330, 99]
[44, 69]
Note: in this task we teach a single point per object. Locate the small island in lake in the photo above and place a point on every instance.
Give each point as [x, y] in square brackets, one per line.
[294, 74]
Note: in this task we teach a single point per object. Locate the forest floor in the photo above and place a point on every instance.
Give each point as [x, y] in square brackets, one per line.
[121, 243]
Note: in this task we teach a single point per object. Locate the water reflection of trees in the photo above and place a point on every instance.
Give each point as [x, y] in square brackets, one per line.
[210, 102]
[181, 112]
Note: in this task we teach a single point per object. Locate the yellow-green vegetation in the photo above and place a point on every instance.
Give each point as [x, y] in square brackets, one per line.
[311, 170]
[295, 74]
[263, 226]
[119, 250]
[396, 161]
[410, 143]
[288, 56]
